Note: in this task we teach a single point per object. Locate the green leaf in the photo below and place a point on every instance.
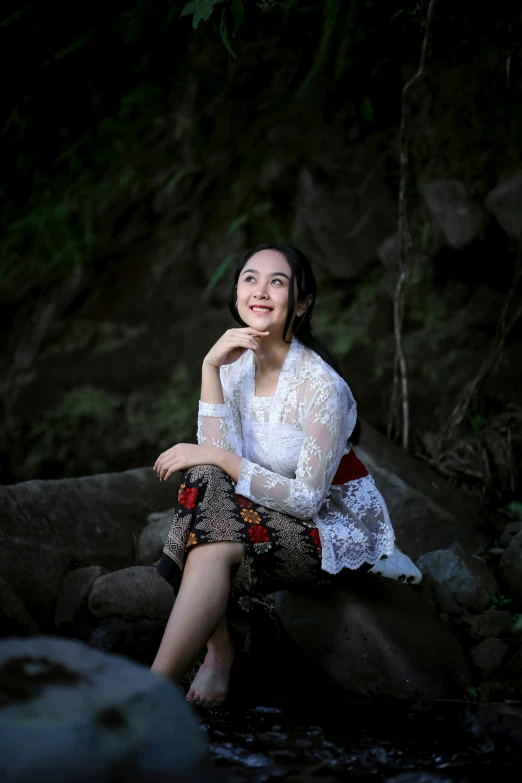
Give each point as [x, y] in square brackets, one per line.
[367, 109]
[224, 34]
[239, 14]
[202, 10]
[237, 223]
[220, 272]
[516, 508]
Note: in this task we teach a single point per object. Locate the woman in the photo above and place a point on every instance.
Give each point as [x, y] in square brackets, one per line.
[273, 494]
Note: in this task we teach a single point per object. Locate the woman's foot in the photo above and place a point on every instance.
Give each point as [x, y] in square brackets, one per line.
[210, 685]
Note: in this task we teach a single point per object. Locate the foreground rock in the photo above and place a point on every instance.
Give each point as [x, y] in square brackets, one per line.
[48, 526]
[376, 639]
[68, 712]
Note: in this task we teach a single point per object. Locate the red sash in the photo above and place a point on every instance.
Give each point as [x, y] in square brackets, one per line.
[350, 468]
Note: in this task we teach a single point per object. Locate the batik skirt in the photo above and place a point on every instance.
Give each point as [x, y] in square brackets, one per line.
[281, 551]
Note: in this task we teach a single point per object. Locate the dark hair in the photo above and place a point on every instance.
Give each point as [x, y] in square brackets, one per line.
[301, 272]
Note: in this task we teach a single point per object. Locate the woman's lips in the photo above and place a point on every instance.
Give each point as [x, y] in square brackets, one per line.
[262, 311]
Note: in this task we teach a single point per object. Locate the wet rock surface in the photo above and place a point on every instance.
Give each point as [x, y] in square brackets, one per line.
[254, 744]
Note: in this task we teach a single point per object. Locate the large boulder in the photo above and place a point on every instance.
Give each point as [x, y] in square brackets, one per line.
[427, 512]
[376, 639]
[48, 526]
[68, 712]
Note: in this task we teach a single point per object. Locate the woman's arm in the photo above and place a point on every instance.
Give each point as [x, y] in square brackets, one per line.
[211, 387]
[329, 423]
[219, 423]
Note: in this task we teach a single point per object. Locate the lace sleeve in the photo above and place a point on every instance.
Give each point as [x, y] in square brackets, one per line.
[220, 425]
[329, 423]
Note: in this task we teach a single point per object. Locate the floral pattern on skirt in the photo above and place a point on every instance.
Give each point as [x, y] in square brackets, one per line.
[281, 551]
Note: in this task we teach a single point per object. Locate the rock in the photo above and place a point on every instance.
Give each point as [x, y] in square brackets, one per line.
[68, 712]
[388, 252]
[138, 639]
[72, 607]
[505, 201]
[138, 591]
[45, 526]
[459, 218]
[460, 582]
[492, 622]
[152, 538]
[488, 656]
[427, 511]
[499, 724]
[509, 533]
[511, 571]
[344, 221]
[376, 639]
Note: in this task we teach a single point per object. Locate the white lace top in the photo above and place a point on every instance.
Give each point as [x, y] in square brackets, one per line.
[291, 445]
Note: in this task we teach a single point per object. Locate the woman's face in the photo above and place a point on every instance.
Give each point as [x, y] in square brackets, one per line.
[262, 291]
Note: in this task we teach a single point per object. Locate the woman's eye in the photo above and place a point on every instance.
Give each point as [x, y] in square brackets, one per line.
[276, 280]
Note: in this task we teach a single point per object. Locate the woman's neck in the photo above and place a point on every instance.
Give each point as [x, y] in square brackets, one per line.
[274, 354]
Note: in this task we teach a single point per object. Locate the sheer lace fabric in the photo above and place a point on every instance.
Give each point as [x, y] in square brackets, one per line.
[291, 445]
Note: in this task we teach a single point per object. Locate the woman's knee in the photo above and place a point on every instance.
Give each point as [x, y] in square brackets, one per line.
[208, 471]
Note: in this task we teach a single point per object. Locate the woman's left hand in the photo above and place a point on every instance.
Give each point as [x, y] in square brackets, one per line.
[182, 456]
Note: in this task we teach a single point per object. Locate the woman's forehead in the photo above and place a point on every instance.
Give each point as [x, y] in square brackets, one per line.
[269, 262]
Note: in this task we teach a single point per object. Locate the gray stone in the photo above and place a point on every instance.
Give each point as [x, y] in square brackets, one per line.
[509, 533]
[501, 724]
[505, 201]
[426, 510]
[376, 639]
[511, 571]
[460, 582]
[460, 219]
[138, 591]
[344, 218]
[492, 622]
[69, 712]
[152, 538]
[389, 252]
[488, 655]
[45, 526]
[72, 606]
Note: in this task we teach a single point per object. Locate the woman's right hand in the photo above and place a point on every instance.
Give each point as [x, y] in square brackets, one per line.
[232, 345]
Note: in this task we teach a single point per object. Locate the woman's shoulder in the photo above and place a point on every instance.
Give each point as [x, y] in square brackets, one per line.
[323, 374]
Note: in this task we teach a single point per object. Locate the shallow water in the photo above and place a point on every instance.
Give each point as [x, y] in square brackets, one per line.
[264, 743]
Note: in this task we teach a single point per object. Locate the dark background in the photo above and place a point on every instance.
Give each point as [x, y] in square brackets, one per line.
[140, 158]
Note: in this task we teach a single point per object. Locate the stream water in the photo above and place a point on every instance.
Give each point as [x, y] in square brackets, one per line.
[257, 744]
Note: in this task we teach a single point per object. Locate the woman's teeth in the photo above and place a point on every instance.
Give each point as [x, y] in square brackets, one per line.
[261, 309]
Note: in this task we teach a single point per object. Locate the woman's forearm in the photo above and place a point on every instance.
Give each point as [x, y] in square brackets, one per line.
[226, 460]
[211, 388]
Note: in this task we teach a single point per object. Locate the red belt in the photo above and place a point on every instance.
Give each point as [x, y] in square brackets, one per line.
[350, 468]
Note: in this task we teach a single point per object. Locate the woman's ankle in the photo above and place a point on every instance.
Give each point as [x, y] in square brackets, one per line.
[221, 646]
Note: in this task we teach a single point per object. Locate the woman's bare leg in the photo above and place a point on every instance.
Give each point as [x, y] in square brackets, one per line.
[211, 682]
[199, 607]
